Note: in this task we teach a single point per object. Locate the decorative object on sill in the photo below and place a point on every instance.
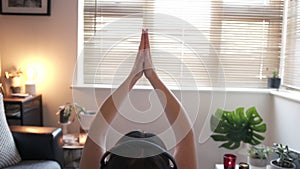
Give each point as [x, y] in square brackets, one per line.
[67, 110]
[274, 81]
[31, 75]
[15, 77]
[259, 155]
[85, 119]
[243, 165]
[236, 127]
[29, 7]
[229, 161]
[286, 158]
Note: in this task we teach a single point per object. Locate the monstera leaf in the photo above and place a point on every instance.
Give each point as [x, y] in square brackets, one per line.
[232, 128]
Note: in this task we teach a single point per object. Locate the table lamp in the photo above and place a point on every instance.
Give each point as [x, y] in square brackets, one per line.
[30, 83]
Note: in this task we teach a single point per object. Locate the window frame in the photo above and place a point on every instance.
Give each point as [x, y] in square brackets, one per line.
[79, 80]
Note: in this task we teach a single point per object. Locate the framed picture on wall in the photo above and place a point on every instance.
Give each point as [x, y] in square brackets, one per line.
[25, 7]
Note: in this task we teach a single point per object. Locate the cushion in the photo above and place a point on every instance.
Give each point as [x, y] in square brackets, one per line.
[8, 151]
[36, 164]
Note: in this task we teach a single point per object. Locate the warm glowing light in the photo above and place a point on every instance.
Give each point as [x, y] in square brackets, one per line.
[31, 74]
[82, 138]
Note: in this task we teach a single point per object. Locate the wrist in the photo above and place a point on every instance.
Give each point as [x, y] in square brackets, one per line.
[151, 75]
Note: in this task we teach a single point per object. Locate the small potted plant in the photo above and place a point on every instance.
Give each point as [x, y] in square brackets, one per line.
[259, 155]
[274, 81]
[285, 158]
[15, 77]
[67, 110]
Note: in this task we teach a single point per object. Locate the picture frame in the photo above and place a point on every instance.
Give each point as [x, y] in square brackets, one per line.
[25, 7]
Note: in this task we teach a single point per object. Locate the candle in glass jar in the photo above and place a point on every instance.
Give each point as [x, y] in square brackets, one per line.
[229, 161]
[243, 166]
[82, 138]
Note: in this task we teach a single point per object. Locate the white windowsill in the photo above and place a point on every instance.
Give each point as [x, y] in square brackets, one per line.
[214, 89]
[287, 94]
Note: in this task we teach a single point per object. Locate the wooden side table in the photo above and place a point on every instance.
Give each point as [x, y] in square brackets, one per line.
[72, 156]
[72, 152]
[24, 111]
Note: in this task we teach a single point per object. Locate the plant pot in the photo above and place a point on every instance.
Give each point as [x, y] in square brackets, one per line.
[257, 162]
[15, 89]
[274, 166]
[62, 118]
[274, 82]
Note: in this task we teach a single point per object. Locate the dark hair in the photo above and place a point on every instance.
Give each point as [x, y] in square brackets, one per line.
[139, 135]
[140, 160]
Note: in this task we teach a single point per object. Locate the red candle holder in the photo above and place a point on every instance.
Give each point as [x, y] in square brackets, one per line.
[229, 161]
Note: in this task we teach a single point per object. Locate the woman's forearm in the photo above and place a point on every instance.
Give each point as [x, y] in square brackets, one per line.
[108, 111]
[185, 151]
[174, 111]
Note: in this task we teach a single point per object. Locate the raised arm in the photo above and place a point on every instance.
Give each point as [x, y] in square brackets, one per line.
[185, 151]
[94, 146]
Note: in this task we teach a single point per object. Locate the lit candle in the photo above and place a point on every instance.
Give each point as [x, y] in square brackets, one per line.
[229, 161]
[243, 166]
[82, 138]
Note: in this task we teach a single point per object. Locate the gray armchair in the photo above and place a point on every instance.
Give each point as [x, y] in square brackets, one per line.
[39, 147]
[29, 147]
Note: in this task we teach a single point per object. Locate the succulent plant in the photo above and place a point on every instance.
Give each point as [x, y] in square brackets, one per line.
[260, 152]
[286, 157]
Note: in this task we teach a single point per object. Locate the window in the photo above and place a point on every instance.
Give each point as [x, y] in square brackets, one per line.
[207, 43]
[292, 55]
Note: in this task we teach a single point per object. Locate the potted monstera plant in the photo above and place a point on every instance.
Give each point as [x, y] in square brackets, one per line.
[285, 158]
[236, 127]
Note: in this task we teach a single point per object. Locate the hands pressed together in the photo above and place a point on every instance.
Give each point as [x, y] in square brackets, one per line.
[143, 62]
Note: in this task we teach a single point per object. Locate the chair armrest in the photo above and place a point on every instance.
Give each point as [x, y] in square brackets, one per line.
[39, 143]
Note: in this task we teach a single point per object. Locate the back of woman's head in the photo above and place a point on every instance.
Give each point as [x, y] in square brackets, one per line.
[139, 135]
[138, 150]
[153, 162]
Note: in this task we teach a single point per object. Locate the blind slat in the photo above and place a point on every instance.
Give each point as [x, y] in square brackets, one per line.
[204, 43]
[292, 53]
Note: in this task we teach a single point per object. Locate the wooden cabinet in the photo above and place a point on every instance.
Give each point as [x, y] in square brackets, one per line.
[24, 111]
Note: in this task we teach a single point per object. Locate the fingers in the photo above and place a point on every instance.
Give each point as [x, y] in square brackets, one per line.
[148, 65]
[142, 42]
[147, 44]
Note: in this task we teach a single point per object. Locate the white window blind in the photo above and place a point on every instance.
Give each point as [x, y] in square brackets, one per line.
[292, 55]
[207, 43]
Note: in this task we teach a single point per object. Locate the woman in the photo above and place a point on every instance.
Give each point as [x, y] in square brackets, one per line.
[185, 150]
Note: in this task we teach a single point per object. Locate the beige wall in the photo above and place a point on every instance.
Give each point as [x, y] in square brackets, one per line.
[47, 43]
